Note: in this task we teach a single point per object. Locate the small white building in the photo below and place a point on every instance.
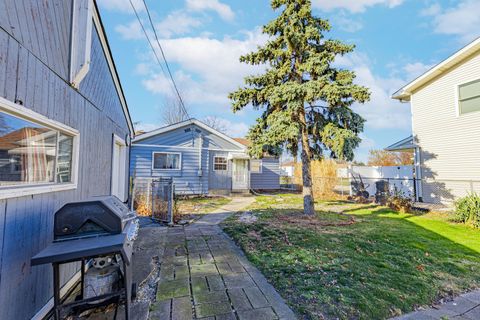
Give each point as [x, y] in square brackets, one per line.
[445, 106]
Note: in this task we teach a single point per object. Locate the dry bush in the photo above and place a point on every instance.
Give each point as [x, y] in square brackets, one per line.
[324, 176]
[140, 204]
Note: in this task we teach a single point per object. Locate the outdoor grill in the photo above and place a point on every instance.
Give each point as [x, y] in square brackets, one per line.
[101, 230]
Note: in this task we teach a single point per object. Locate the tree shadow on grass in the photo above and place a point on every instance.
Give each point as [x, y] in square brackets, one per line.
[376, 269]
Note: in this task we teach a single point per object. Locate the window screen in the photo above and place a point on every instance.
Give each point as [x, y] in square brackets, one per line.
[33, 154]
[256, 166]
[166, 161]
[469, 97]
[219, 163]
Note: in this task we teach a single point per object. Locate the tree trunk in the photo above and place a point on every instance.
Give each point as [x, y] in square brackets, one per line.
[308, 201]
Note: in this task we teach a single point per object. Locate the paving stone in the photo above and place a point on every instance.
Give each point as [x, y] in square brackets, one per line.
[203, 270]
[167, 272]
[459, 305]
[239, 300]
[238, 280]
[256, 297]
[182, 309]
[473, 314]
[199, 284]
[257, 314]
[181, 272]
[472, 296]
[177, 261]
[228, 316]
[212, 309]
[160, 310]
[210, 297]
[173, 289]
[215, 283]
[201, 258]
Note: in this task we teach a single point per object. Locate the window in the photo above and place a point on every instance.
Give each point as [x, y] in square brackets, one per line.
[166, 161]
[469, 97]
[33, 154]
[256, 166]
[220, 164]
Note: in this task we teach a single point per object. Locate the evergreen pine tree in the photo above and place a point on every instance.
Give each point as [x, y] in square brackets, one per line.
[306, 100]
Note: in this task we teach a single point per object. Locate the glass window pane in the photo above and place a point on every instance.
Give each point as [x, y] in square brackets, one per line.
[27, 152]
[220, 164]
[166, 161]
[64, 160]
[469, 90]
[470, 105]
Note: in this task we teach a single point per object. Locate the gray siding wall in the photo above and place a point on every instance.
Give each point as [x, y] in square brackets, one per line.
[219, 180]
[269, 179]
[186, 180]
[34, 38]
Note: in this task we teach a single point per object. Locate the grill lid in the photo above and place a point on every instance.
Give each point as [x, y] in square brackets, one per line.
[100, 215]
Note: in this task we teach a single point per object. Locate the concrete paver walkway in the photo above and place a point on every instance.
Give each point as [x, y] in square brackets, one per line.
[464, 307]
[204, 275]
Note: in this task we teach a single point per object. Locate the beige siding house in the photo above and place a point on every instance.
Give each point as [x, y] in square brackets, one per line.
[445, 106]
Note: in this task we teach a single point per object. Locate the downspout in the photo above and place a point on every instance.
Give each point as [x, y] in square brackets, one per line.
[200, 171]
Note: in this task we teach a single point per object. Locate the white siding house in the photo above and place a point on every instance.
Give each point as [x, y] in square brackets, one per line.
[445, 106]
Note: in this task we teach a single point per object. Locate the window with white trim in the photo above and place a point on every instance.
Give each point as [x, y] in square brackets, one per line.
[469, 97]
[33, 154]
[220, 164]
[255, 166]
[166, 161]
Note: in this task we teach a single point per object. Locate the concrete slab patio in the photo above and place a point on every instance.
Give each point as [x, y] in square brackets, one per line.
[463, 307]
[204, 275]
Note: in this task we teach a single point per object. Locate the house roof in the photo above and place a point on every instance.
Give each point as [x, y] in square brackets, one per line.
[183, 124]
[402, 145]
[404, 93]
[243, 141]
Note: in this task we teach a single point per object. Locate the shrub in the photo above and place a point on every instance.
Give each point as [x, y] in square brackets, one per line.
[467, 210]
[399, 201]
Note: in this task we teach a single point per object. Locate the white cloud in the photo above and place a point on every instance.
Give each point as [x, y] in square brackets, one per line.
[355, 6]
[146, 127]
[345, 23]
[177, 22]
[121, 5]
[233, 129]
[462, 20]
[130, 31]
[223, 10]
[211, 70]
[381, 112]
[416, 69]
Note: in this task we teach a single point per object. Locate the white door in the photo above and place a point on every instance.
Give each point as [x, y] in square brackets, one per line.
[240, 174]
[119, 169]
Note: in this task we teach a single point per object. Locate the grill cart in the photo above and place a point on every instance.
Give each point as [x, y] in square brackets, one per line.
[101, 230]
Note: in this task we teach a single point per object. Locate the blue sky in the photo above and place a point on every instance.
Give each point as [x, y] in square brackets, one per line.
[396, 40]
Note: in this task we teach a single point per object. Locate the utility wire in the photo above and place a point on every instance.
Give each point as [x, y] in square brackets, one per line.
[184, 109]
[165, 60]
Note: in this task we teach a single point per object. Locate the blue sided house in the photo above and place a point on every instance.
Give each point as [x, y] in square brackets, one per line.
[201, 160]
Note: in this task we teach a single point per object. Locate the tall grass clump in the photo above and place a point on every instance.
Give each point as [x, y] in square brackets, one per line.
[324, 176]
[467, 210]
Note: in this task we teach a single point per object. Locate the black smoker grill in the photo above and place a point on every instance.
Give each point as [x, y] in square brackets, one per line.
[98, 227]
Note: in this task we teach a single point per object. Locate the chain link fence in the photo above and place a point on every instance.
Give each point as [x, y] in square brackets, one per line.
[154, 198]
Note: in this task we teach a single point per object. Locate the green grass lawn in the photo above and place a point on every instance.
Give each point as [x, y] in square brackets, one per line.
[376, 263]
[200, 205]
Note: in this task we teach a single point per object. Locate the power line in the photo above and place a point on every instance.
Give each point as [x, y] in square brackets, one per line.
[165, 59]
[184, 109]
